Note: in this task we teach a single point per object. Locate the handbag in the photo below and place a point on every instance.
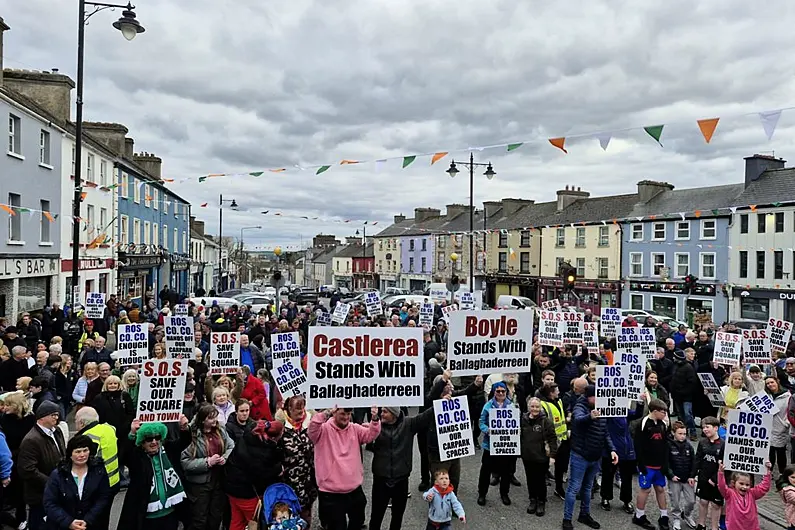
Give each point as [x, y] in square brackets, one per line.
[253, 524]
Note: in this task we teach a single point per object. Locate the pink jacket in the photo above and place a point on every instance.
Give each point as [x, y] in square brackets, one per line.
[338, 453]
[788, 496]
[741, 511]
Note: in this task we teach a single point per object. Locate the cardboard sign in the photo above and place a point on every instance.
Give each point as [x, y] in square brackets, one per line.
[341, 311]
[611, 321]
[713, 389]
[551, 328]
[727, 348]
[95, 305]
[640, 341]
[448, 310]
[132, 345]
[372, 301]
[467, 301]
[612, 391]
[780, 332]
[747, 441]
[573, 333]
[756, 346]
[590, 336]
[489, 342]
[551, 305]
[426, 316]
[760, 402]
[179, 337]
[181, 310]
[504, 432]
[439, 295]
[162, 390]
[323, 319]
[224, 352]
[286, 352]
[635, 373]
[361, 367]
[453, 428]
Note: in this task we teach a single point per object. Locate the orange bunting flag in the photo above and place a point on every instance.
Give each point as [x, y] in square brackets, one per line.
[346, 162]
[49, 216]
[698, 213]
[558, 142]
[438, 156]
[752, 207]
[708, 127]
[168, 180]
[277, 170]
[83, 196]
[8, 210]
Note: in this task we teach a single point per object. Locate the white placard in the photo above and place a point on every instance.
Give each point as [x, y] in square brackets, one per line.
[727, 348]
[747, 441]
[426, 316]
[181, 310]
[132, 345]
[780, 332]
[224, 352]
[361, 367]
[635, 373]
[341, 311]
[574, 328]
[590, 336]
[637, 340]
[467, 301]
[448, 310]
[180, 342]
[372, 301]
[756, 347]
[713, 389]
[286, 351]
[95, 305]
[453, 428]
[439, 295]
[551, 328]
[760, 402]
[162, 390]
[489, 342]
[323, 319]
[611, 321]
[551, 305]
[612, 391]
[504, 431]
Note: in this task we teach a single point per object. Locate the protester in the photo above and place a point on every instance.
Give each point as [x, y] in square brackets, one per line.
[681, 471]
[740, 498]
[443, 503]
[299, 453]
[539, 445]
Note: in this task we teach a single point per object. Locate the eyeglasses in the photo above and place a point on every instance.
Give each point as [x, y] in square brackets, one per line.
[153, 438]
[499, 391]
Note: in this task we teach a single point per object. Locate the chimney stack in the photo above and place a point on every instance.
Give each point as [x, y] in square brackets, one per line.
[52, 92]
[648, 189]
[756, 165]
[3, 28]
[454, 210]
[568, 196]
[423, 214]
[399, 218]
[112, 135]
[491, 207]
[149, 163]
[129, 148]
[511, 206]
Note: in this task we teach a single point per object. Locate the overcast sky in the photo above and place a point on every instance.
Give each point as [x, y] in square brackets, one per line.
[241, 85]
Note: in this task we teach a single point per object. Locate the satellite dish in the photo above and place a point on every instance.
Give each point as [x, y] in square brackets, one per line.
[277, 280]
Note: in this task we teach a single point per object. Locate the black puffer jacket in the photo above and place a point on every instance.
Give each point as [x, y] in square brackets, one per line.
[235, 430]
[393, 450]
[684, 383]
[253, 465]
[536, 435]
[681, 459]
[589, 436]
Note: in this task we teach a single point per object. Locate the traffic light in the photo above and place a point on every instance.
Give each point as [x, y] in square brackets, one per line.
[690, 283]
[454, 281]
[569, 276]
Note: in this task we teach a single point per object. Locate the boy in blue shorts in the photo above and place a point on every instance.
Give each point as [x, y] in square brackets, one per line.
[651, 450]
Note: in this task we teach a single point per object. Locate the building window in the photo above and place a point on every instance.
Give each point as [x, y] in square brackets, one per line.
[103, 173]
[636, 301]
[424, 262]
[156, 198]
[743, 264]
[683, 230]
[137, 231]
[103, 219]
[682, 264]
[380, 245]
[136, 191]
[165, 238]
[124, 184]
[664, 305]
[411, 245]
[760, 223]
[744, 223]
[156, 238]
[602, 264]
[147, 231]
[778, 264]
[580, 267]
[561, 237]
[779, 221]
[442, 241]
[658, 232]
[15, 221]
[44, 226]
[503, 263]
[636, 232]
[525, 239]
[580, 241]
[124, 227]
[74, 157]
[503, 241]
[524, 262]
[185, 245]
[760, 264]
[14, 135]
[176, 241]
[91, 220]
[558, 264]
[636, 264]
[604, 236]
[441, 261]
[707, 265]
[411, 264]
[90, 168]
[754, 308]
[657, 263]
[709, 229]
[44, 147]
[148, 196]
[424, 244]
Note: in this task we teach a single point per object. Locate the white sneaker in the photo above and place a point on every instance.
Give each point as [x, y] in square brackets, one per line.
[690, 521]
[23, 525]
[677, 525]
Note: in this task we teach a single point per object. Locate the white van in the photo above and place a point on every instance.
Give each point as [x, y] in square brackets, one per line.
[505, 301]
[438, 292]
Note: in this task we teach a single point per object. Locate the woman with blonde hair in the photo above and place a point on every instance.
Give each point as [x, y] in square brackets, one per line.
[159, 351]
[733, 393]
[115, 407]
[131, 382]
[221, 400]
[16, 423]
[90, 373]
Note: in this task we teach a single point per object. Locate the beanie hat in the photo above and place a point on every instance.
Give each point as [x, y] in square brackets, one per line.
[498, 384]
[81, 441]
[590, 391]
[46, 408]
[11, 329]
[150, 429]
[395, 411]
[679, 354]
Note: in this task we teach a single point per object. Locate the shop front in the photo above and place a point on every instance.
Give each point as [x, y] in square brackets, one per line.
[136, 272]
[178, 273]
[387, 280]
[762, 304]
[95, 274]
[591, 295]
[505, 284]
[27, 284]
[704, 303]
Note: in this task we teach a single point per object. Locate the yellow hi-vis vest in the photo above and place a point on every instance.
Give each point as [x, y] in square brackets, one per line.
[555, 413]
[104, 436]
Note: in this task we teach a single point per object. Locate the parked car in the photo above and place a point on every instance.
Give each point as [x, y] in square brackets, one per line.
[229, 293]
[396, 290]
[304, 295]
[749, 324]
[405, 299]
[207, 301]
[514, 302]
[641, 315]
[356, 300]
[257, 301]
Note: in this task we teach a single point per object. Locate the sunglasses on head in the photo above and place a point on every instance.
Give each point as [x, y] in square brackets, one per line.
[153, 438]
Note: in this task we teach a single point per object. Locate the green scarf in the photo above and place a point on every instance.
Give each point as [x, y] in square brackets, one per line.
[167, 491]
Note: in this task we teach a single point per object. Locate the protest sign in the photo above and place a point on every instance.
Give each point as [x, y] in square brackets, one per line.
[467, 301]
[590, 336]
[372, 301]
[439, 295]
[727, 348]
[747, 441]
[448, 310]
[756, 346]
[323, 319]
[612, 391]
[181, 310]
[760, 402]
[504, 432]
[713, 390]
[640, 341]
[489, 341]
[635, 372]
[361, 367]
[179, 337]
[95, 305]
[779, 331]
[551, 328]
[132, 345]
[286, 352]
[426, 316]
[453, 428]
[224, 352]
[162, 390]
[285, 346]
[574, 330]
[551, 305]
[341, 311]
[611, 321]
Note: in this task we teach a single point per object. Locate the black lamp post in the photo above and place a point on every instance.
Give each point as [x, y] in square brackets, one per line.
[233, 205]
[129, 27]
[453, 171]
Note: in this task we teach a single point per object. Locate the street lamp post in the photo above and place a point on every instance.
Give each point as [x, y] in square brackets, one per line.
[454, 259]
[129, 28]
[233, 205]
[453, 171]
[241, 247]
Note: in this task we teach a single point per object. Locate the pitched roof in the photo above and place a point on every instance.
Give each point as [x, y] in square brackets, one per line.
[350, 251]
[396, 229]
[774, 185]
[688, 200]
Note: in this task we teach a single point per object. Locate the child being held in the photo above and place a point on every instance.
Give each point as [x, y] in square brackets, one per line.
[740, 498]
[284, 519]
[443, 502]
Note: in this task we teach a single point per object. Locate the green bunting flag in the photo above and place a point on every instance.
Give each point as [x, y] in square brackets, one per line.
[407, 160]
[322, 169]
[202, 179]
[512, 147]
[256, 173]
[715, 211]
[655, 131]
[776, 204]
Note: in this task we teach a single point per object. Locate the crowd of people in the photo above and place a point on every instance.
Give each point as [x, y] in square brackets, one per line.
[240, 449]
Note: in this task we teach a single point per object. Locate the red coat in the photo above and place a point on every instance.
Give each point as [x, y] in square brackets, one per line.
[254, 391]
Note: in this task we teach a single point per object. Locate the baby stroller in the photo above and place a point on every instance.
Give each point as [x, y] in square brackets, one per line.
[276, 493]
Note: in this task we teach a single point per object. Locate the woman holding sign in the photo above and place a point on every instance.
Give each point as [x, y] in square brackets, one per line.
[537, 434]
[781, 427]
[499, 465]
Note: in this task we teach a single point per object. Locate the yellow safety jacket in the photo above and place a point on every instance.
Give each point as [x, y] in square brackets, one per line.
[85, 336]
[104, 436]
[558, 416]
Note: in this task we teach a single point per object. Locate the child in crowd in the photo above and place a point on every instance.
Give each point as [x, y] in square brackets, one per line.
[788, 495]
[442, 503]
[708, 454]
[285, 519]
[651, 450]
[741, 498]
[681, 463]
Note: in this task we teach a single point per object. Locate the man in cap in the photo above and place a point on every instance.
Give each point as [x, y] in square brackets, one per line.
[88, 333]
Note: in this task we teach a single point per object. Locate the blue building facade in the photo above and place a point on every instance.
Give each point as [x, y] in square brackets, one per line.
[656, 256]
[154, 235]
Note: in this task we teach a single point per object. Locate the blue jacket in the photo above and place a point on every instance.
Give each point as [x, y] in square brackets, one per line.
[5, 458]
[618, 429]
[62, 502]
[441, 507]
[484, 420]
[589, 437]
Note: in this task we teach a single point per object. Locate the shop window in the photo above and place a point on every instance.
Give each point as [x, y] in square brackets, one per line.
[664, 305]
[636, 301]
[33, 293]
[754, 308]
